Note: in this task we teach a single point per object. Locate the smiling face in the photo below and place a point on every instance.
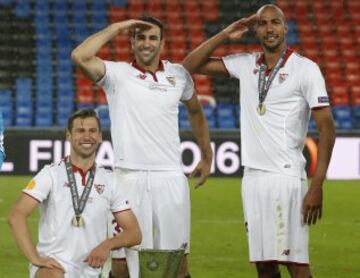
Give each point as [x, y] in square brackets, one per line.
[146, 45]
[271, 28]
[84, 137]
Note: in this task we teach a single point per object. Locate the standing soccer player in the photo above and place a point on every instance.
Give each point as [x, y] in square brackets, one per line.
[143, 98]
[75, 197]
[278, 91]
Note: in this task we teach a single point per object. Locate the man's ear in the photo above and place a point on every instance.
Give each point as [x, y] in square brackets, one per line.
[286, 28]
[132, 41]
[67, 134]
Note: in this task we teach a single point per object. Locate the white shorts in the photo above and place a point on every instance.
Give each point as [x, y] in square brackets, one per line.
[161, 203]
[273, 217]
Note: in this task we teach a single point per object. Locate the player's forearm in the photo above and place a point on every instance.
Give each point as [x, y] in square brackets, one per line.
[325, 147]
[20, 231]
[127, 238]
[200, 130]
[197, 58]
[94, 43]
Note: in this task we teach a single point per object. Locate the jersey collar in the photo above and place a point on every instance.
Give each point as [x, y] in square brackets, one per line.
[153, 74]
[82, 172]
[261, 59]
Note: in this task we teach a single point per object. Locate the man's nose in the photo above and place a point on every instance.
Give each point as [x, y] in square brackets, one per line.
[146, 42]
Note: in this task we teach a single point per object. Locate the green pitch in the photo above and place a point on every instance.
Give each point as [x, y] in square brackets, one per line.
[218, 243]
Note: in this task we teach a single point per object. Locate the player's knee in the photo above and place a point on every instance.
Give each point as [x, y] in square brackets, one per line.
[119, 269]
[183, 269]
[270, 270]
[48, 272]
[299, 271]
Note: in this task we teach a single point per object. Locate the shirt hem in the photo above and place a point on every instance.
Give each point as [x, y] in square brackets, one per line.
[134, 166]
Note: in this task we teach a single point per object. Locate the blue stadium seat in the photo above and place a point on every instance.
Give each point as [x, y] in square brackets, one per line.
[226, 123]
[23, 121]
[119, 3]
[341, 112]
[224, 110]
[99, 15]
[312, 125]
[5, 2]
[344, 123]
[208, 111]
[183, 112]
[5, 98]
[22, 9]
[85, 105]
[184, 123]
[343, 117]
[6, 108]
[43, 119]
[103, 112]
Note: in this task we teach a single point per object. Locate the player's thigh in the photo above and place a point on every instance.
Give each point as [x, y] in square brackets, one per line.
[44, 272]
[119, 268]
[171, 210]
[267, 269]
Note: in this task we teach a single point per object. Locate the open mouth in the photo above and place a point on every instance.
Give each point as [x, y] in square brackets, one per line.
[86, 145]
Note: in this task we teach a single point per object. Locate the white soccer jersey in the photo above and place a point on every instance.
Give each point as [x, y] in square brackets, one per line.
[57, 237]
[274, 141]
[144, 113]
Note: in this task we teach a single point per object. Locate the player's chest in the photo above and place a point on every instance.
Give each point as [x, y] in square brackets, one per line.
[281, 87]
[97, 194]
[146, 88]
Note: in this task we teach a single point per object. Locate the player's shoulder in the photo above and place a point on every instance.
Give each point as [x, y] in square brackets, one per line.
[54, 166]
[174, 68]
[303, 61]
[242, 56]
[104, 170]
[117, 65]
[177, 70]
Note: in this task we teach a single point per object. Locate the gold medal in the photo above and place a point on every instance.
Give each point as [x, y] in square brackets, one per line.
[261, 109]
[78, 221]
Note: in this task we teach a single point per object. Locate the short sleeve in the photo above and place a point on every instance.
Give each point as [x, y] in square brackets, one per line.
[112, 73]
[40, 186]
[189, 86]
[234, 63]
[313, 86]
[118, 201]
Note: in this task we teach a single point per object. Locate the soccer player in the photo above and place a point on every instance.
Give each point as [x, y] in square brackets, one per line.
[278, 90]
[143, 98]
[2, 152]
[75, 197]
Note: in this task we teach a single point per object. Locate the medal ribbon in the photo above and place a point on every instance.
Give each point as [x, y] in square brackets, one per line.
[78, 204]
[264, 86]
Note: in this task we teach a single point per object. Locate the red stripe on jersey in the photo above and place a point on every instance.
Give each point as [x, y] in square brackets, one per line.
[261, 59]
[32, 197]
[119, 211]
[153, 74]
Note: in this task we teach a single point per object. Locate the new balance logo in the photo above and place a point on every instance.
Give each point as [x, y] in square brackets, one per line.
[286, 252]
[142, 76]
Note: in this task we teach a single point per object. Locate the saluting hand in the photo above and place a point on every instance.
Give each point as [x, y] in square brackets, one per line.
[237, 29]
[312, 204]
[132, 25]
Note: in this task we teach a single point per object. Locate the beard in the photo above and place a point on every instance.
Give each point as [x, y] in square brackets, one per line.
[272, 48]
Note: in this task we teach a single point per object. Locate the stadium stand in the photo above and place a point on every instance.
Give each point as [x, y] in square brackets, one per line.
[39, 86]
